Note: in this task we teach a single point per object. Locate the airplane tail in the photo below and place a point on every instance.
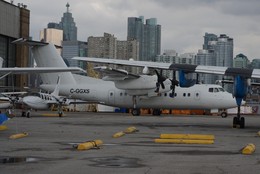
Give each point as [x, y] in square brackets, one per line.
[47, 56]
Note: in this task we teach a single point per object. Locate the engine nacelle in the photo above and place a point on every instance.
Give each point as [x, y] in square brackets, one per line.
[144, 85]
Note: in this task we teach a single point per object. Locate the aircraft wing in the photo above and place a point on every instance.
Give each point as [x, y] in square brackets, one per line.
[111, 74]
[158, 65]
[245, 72]
[19, 70]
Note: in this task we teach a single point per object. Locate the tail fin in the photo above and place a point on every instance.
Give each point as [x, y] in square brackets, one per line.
[47, 56]
[56, 91]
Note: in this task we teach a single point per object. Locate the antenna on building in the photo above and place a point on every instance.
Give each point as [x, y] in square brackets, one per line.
[68, 6]
[12, 1]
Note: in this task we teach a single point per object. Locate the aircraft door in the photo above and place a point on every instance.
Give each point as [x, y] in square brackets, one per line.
[111, 97]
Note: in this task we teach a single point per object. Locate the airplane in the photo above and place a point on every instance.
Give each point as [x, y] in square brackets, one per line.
[241, 76]
[128, 90]
[36, 100]
[7, 101]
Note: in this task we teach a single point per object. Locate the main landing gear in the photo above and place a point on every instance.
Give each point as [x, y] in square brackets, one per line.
[238, 122]
[26, 114]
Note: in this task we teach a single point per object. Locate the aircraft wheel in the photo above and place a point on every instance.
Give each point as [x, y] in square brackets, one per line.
[23, 114]
[242, 122]
[60, 114]
[135, 112]
[28, 115]
[223, 114]
[235, 122]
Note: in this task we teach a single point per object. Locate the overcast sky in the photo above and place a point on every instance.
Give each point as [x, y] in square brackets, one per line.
[184, 22]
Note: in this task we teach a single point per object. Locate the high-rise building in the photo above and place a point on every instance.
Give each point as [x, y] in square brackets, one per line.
[255, 63]
[52, 35]
[14, 24]
[104, 46]
[207, 40]
[218, 51]
[206, 57]
[241, 61]
[72, 49]
[68, 26]
[148, 35]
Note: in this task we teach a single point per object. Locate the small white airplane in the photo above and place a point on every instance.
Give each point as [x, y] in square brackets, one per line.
[6, 100]
[128, 90]
[43, 101]
[36, 101]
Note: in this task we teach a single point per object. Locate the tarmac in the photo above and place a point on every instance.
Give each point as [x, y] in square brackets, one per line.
[51, 141]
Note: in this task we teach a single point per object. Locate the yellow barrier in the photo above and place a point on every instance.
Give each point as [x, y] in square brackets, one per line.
[130, 130]
[184, 141]
[118, 134]
[3, 127]
[248, 149]
[90, 144]
[16, 136]
[188, 136]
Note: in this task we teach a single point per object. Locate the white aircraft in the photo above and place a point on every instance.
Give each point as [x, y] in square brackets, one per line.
[128, 90]
[6, 100]
[43, 101]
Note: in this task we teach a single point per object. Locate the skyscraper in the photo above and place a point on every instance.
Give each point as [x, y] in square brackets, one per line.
[68, 26]
[148, 35]
[217, 51]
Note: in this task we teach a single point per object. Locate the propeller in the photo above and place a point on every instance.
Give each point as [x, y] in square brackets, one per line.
[174, 83]
[160, 80]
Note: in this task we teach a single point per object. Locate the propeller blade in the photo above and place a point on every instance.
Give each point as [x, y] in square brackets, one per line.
[160, 80]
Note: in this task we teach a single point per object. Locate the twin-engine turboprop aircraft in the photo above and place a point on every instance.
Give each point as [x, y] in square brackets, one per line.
[122, 89]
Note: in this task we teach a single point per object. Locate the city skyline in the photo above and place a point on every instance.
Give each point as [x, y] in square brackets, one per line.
[183, 23]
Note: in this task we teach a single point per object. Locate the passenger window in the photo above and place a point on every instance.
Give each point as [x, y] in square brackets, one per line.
[215, 89]
[111, 94]
[188, 94]
[184, 94]
[121, 93]
[210, 89]
[197, 94]
[165, 94]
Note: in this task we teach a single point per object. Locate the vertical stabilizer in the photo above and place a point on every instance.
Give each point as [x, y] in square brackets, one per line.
[47, 56]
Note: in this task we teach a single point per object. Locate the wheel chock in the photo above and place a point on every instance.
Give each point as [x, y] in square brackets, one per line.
[118, 134]
[21, 135]
[248, 149]
[3, 127]
[130, 130]
[183, 141]
[89, 145]
[188, 136]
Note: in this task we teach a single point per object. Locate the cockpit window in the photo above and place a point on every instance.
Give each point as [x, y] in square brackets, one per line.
[221, 89]
[216, 90]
